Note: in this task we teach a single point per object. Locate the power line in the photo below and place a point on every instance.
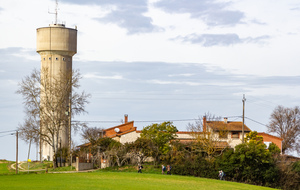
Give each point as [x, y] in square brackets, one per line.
[256, 121]
[148, 121]
[167, 120]
[169, 99]
[136, 121]
[7, 135]
[7, 131]
[96, 121]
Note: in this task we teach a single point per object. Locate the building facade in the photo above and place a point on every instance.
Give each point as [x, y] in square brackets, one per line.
[56, 45]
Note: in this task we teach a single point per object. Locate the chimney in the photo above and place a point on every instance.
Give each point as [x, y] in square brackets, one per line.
[125, 118]
[225, 120]
[204, 123]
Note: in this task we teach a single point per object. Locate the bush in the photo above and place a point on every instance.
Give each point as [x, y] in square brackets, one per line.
[289, 175]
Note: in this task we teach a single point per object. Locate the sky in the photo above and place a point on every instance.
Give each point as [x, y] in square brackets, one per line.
[158, 60]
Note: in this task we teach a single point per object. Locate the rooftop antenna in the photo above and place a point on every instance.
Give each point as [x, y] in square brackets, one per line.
[56, 10]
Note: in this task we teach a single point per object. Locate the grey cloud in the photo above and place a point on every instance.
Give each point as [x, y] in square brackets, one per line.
[12, 63]
[174, 76]
[259, 40]
[128, 14]
[255, 21]
[209, 40]
[213, 13]
[132, 20]
[295, 9]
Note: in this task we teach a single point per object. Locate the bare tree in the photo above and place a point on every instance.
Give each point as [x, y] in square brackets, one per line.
[209, 134]
[285, 122]
[28, 131]
[49, 98]
[91, 134]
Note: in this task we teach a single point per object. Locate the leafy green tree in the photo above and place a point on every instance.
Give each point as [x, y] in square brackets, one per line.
[274, 149]
[161, 135]
[251, 162]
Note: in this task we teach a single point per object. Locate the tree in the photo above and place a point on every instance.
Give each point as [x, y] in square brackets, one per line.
[250, 162]
[285, 122]
[161, 135]
[141, 149]
[91, 134]
[29, 130]
[49, 99]
[209, 135]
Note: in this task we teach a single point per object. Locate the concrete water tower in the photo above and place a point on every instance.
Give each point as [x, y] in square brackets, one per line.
[56, 45]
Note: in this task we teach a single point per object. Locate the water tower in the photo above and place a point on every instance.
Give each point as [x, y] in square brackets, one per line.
[56, 45]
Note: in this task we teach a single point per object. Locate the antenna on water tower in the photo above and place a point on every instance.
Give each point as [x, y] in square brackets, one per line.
[56, 10]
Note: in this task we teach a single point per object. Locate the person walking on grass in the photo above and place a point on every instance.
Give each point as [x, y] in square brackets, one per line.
[140, 167]
[221, 175]
[163, 169]
[169, 170]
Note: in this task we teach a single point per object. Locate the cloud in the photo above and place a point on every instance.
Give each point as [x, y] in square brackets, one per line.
[295, 9]
[127, 14]
[95, 76]
[183, 74]
[213, 13]
[175, 82]
[255, 21]
[209, 40]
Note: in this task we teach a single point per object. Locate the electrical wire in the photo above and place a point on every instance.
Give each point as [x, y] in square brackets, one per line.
[7, 131]
[7, 135]
[256, 121]
[148, 121]
[136, 121]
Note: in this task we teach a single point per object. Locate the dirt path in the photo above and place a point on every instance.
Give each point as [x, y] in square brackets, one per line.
[13, 166]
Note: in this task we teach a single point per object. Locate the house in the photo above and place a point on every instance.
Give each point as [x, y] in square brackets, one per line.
[268, 139]
[223, 133]
[227, 133]
[123, 133]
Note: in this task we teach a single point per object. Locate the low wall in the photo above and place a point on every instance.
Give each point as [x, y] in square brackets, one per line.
[83, 166]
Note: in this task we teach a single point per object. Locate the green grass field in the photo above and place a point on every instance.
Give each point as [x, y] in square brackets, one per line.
[116, 180]
[4, 169]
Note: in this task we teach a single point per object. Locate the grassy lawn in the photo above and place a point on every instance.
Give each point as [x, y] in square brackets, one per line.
[4, 169]
[116, 180]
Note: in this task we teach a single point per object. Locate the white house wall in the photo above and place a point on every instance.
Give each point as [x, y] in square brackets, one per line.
[129, 137]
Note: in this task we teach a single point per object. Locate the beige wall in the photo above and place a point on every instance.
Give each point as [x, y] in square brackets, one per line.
[129, 137]
[57, 38]
[56, 45]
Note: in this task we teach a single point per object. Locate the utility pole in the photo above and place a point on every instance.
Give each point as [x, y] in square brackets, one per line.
[244, 100]
[17, 136]
[60, 153]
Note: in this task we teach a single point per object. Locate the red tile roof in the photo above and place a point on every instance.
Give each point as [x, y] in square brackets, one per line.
[230, 125]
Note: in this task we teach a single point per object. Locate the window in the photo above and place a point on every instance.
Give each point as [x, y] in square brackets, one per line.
[63, 59]
[49, 58]
[267, 144]
[235, 135]
[56, 58]
[44, 58]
